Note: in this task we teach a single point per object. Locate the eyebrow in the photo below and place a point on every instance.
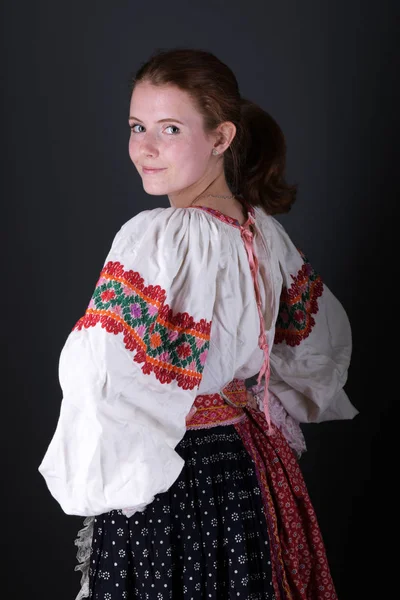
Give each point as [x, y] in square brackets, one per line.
[160, 121]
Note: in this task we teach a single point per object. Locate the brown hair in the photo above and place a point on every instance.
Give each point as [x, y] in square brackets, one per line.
[254, 163]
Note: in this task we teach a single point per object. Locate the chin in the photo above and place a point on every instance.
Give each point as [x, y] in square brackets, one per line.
[155, 193]
[154, 190]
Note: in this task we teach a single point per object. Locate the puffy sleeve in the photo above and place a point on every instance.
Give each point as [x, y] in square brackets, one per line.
[131, 367]
[312, 348]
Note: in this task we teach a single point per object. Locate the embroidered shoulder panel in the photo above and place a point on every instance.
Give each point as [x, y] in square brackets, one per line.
[297, 305]
[172, 346]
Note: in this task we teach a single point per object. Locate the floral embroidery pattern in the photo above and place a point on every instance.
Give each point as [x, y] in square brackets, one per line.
[235, 393]
[172, 346]
[213, 411]
[297, 305]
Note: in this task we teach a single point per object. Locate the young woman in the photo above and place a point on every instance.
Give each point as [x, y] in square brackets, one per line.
[190, 484]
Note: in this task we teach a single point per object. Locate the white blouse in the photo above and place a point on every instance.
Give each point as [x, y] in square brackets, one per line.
[174, 315]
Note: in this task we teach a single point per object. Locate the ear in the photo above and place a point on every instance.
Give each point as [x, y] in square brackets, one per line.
[224, 135]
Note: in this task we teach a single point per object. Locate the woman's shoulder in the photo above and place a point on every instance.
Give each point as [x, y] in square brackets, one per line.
[267, 221]
[273, 231]
[166, 219]
[168, 234]
[282, 249]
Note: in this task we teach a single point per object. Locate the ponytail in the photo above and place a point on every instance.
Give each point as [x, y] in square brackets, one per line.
[256, 160]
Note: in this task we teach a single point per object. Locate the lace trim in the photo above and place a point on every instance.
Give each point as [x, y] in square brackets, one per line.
[289, 427]
[84, 544]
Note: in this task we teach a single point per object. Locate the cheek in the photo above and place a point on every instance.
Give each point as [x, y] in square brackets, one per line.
[192, 156]
[186, 159]
[133, 149]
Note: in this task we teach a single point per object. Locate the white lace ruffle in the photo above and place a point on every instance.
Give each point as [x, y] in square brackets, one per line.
[289, 427]
[84, 543]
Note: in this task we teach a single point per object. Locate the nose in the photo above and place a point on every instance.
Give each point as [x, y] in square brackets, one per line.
[149, 145]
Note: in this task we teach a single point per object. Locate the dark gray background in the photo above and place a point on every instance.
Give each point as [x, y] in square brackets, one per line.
[326, 72]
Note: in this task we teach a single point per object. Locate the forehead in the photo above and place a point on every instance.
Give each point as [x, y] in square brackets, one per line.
[152, 103]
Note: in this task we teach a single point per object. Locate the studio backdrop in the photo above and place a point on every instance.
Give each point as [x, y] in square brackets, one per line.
[326, 72]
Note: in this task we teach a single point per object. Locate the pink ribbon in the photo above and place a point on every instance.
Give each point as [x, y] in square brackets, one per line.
[248, 237]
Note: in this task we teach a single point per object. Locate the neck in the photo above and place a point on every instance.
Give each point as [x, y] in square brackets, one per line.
[212, 193]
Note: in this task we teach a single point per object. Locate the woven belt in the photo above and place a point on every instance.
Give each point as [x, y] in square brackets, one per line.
[223, 408]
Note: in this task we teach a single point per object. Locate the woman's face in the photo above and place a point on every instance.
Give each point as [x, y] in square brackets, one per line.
[167, 134]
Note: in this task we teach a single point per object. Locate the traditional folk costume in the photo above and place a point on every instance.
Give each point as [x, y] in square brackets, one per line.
[190, 490]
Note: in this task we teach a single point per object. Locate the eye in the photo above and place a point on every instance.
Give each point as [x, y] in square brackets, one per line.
[132, 127]
[173, 127]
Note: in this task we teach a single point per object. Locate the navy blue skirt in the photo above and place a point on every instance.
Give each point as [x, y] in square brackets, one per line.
[205, 538]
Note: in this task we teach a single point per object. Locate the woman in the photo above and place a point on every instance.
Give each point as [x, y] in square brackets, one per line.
[190, 484]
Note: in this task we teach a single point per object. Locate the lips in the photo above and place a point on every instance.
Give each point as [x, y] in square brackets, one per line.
[150, 170]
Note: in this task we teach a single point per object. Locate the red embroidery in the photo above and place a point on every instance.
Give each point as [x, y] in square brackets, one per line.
[172, 346]
[297, 305]
[211, 411]
[226, 218]
[235, 393]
